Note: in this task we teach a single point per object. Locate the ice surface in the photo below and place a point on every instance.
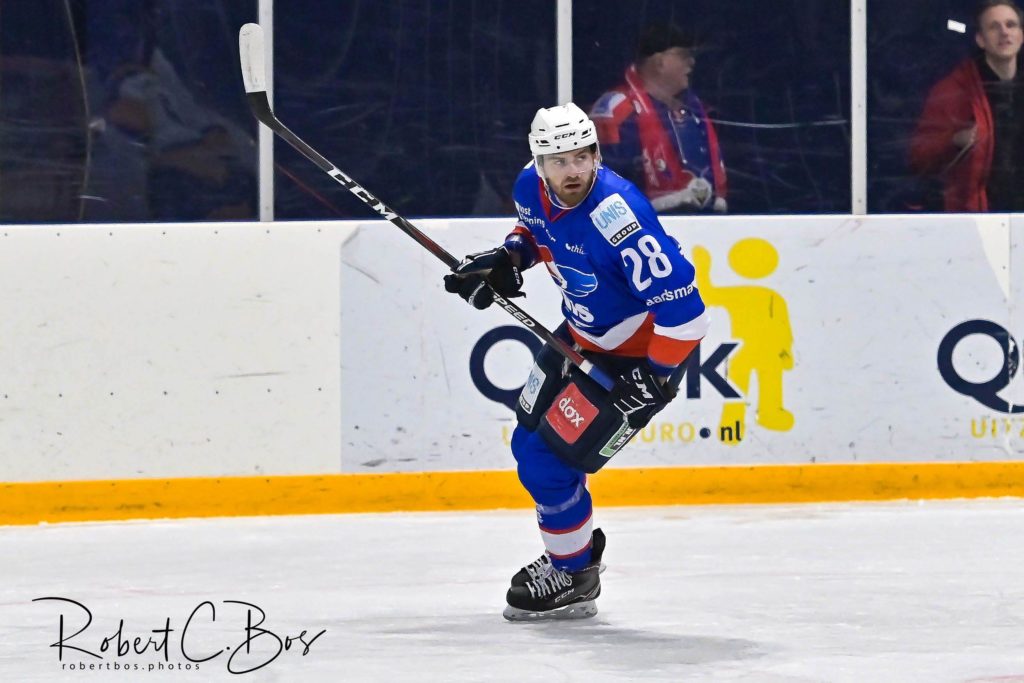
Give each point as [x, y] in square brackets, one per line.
[847, 592]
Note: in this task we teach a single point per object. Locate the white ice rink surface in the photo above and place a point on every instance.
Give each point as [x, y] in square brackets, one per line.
[928, 591]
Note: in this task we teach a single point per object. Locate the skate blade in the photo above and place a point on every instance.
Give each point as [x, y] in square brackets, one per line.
[577, 610]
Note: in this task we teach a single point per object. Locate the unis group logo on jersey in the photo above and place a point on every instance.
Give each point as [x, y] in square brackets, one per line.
[614, 219]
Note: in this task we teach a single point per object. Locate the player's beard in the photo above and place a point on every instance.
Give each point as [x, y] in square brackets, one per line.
[572, 191]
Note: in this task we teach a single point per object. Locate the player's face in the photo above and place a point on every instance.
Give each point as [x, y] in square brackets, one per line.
[676, 66]
[570, 174]
[999, 32]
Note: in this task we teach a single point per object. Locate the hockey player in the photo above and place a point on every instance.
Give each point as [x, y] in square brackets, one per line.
[630, 305]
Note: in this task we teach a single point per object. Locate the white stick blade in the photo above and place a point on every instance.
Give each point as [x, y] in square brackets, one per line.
[250, 51]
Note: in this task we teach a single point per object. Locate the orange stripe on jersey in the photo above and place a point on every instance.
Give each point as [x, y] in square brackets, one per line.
[521, 229]
[645, 343]
[670, 352]
[635, 346]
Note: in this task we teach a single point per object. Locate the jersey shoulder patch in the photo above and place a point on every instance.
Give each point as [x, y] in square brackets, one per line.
[614, 219]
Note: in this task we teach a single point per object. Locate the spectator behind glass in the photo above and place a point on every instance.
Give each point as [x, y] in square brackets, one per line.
[161, 152]
[969, 134]
[201, 166]
[654, 130]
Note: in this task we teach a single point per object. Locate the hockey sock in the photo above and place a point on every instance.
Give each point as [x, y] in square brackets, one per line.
[564, 508]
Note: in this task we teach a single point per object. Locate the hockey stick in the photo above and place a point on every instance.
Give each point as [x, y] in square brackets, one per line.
[250, 48]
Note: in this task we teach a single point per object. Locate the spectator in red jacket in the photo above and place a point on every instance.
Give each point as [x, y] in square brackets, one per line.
[971, 133]
[655, 132]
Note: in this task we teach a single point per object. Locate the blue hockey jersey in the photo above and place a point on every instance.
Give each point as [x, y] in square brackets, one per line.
[626, 286]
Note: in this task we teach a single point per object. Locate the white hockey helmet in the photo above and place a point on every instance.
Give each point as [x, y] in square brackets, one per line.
[561, 129]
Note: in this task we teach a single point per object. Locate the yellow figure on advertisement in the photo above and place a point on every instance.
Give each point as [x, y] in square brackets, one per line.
[760, 322]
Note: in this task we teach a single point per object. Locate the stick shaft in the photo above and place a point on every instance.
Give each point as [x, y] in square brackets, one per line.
[260, 106]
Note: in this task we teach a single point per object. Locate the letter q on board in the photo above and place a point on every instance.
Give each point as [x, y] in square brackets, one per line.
[985, 393]
[478, 371]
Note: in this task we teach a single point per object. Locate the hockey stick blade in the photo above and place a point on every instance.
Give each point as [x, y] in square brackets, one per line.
[250, 53]
[250, 50]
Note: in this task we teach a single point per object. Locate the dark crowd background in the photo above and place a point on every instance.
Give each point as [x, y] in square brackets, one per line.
[133, 110]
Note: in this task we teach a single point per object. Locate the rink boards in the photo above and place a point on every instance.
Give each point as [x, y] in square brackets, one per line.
[156, 370]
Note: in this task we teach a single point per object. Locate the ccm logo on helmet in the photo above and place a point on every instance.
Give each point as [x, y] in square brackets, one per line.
[562, 136]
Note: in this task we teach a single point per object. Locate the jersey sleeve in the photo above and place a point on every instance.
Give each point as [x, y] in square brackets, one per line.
[520, 241]
[658, 274]
[522, 244]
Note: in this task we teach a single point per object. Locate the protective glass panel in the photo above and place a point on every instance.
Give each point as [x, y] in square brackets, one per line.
[768, 94]
[944, 128]
[426, 104]
[124, 110]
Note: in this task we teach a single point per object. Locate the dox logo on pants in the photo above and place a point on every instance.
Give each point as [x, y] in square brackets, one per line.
[570, 414]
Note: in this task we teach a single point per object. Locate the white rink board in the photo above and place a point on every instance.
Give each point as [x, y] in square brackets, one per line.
[317, 348]
[169, 351]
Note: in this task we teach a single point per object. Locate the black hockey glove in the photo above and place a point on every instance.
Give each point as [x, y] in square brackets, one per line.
[470, 278]
[638, 394]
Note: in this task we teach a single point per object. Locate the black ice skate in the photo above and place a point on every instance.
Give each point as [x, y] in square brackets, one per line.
[559, 594]
[542, 565]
